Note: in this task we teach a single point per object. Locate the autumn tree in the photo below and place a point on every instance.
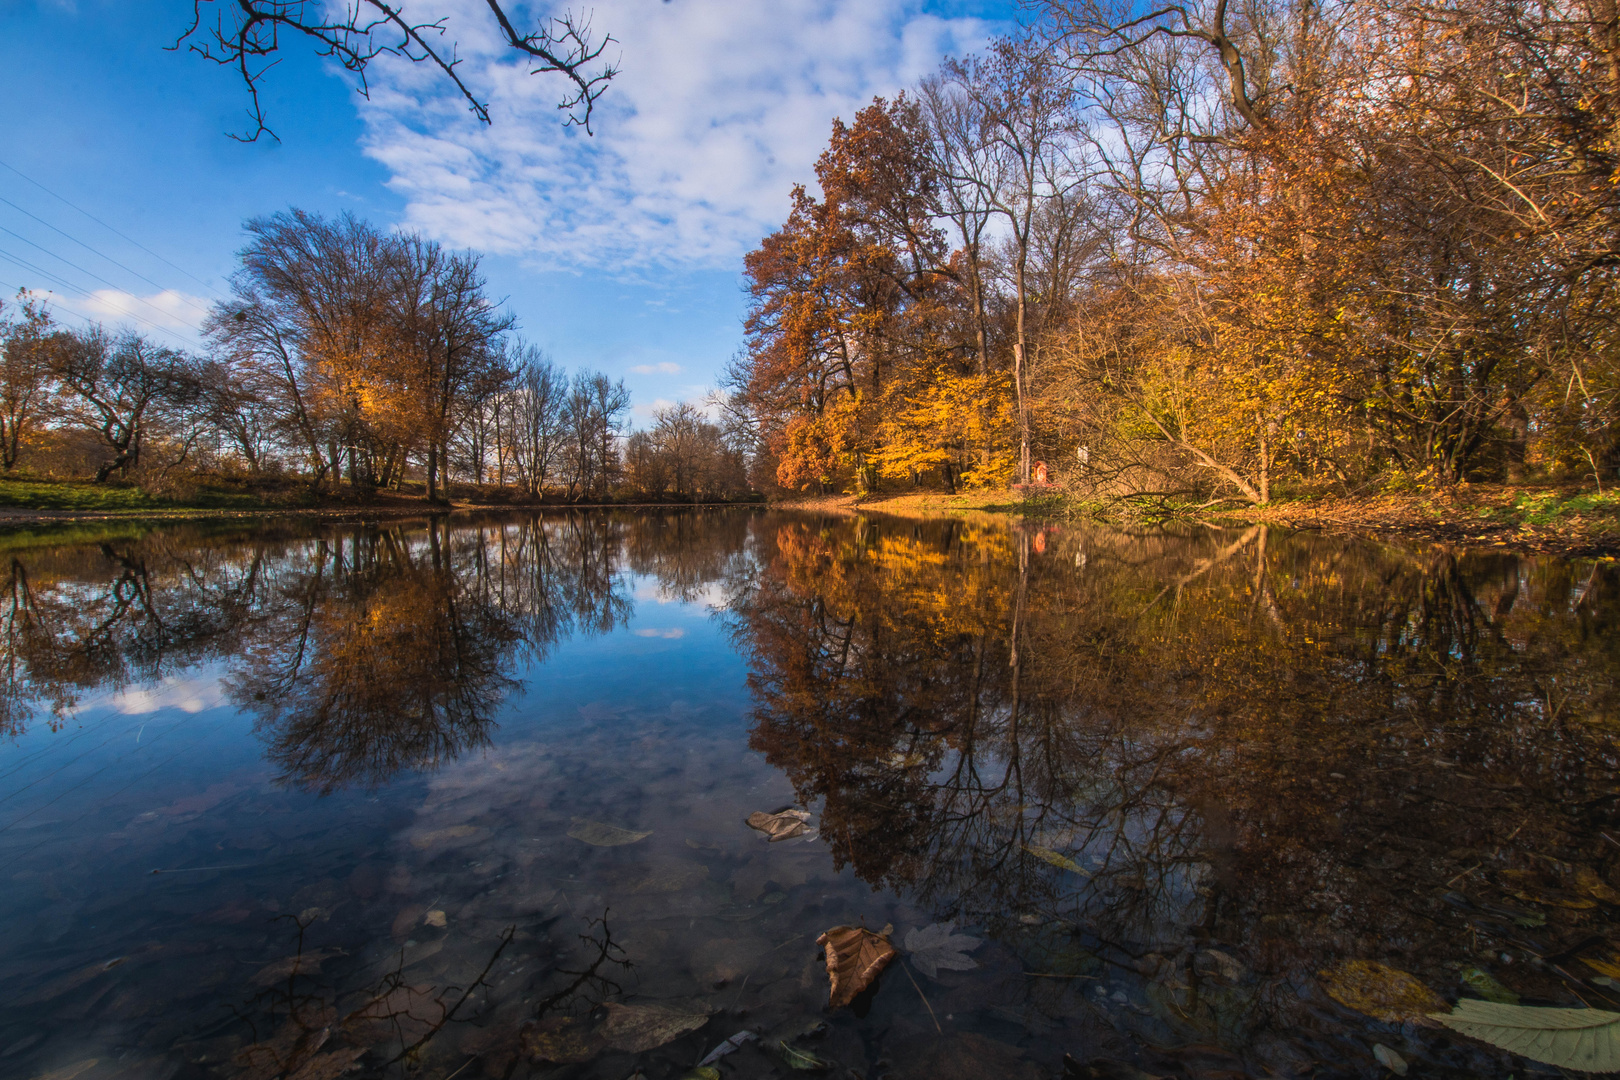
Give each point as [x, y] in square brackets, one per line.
[26, 385]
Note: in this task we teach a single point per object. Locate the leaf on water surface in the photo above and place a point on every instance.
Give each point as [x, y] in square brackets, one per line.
[733, 1043]
[1587, 1040]
[434, 918]
[781, 824]
[1062, 862]
[1389, 1059]
[855, 956]
[597, 834]
[1380, 991]
[934, 947]
[562, 1040]
[1488, 988]
[68, 1072]
[802, 1060]
[637, 1028]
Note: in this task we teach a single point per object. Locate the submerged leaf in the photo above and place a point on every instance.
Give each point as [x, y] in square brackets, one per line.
[1587, 1040]
[1488, 988]
[1380, 991]
[802, 1060]
[703, 1072]
[1609, 967]
[782, 825]
[855, 956]
[599, 835]
[934, 947]
[733, 1043]
[562, 1040]
[1062, 862]
[637, 1028]
[1389, 1059]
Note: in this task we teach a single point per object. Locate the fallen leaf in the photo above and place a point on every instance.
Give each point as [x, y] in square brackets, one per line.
[855, 956]
[1591, 884]
[1062, 862]
[703, 1072]
[1389, 1059]
[1609, 967]
[562, 1040]
[802, 1060]
[934, 947]
[637, 1028]
[733, 1043]
[1587, 1040]
[434, 918]
[780, 825]
[1488, 988]
[599, 835]
[1380, 991]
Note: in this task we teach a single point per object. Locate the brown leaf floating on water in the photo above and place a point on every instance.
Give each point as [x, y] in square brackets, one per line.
[855, 956]
[782, 825]
[1380, 991]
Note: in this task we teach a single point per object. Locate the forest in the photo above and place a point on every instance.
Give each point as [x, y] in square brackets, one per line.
[1210, 252]
[344, 355]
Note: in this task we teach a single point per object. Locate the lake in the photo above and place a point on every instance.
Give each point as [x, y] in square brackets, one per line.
[470, 797]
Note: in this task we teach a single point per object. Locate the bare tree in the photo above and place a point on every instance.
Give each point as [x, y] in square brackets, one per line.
[246, 35]
[121, 388]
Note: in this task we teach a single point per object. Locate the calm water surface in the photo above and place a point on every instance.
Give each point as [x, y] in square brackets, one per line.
[467, 798]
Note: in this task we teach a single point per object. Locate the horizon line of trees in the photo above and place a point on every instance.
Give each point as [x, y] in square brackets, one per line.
[1214, 251]
[345, 353]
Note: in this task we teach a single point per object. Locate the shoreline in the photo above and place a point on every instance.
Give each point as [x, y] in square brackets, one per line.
[1539, 520]
[1543, 520]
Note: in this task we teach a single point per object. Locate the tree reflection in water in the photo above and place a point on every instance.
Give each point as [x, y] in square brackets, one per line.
[1120, 751]
[1186, 770]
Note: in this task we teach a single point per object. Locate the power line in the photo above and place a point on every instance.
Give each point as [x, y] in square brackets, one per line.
[101, 254]
[26, 265]
[98, 277]
[106, 226]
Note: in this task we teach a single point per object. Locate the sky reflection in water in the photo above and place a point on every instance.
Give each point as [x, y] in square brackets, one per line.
[1166, 778]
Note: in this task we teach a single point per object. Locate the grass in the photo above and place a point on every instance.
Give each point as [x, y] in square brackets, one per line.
[112, 498]
[1552, 507]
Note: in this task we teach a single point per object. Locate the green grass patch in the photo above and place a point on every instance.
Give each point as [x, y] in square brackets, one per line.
[1550, 507]
[113, 498]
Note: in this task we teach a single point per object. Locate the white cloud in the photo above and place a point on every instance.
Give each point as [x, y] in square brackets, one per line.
[665, 368]
[721, 106]
[673, 632]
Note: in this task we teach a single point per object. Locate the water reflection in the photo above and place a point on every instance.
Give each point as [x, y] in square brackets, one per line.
[1169, 777]
[1203, 767]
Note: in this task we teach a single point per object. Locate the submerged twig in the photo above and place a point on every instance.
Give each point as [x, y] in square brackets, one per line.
[907, 968]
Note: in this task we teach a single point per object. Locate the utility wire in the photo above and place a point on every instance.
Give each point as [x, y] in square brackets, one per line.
[42, 272]
[108, 227]
[102, 254]
[98, 277]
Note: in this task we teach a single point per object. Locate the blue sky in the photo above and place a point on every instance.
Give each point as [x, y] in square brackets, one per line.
[619, 252]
